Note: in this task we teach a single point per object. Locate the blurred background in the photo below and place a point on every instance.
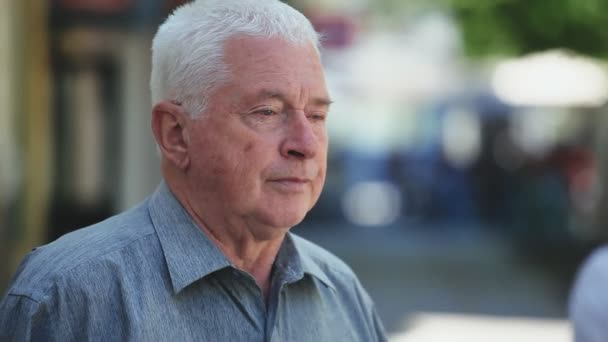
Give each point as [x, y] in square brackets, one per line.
[467, 156]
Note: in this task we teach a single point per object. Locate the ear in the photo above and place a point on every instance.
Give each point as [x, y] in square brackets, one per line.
[169, 127]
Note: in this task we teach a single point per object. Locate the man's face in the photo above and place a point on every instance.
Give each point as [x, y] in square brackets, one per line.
[259, 152]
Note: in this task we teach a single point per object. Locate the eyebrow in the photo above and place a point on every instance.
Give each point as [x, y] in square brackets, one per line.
[271, 94]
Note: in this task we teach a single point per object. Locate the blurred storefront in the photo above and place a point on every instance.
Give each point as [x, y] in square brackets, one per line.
[25, 129]
[74, 139]
[99, 57]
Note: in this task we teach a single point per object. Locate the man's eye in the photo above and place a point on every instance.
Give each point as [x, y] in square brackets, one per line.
[317, 117]
[267, 112]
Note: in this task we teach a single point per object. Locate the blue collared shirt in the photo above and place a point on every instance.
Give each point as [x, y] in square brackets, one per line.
[150, 274]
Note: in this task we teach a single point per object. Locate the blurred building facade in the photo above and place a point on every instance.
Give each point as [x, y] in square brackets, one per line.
[25, 146]
[75, 144]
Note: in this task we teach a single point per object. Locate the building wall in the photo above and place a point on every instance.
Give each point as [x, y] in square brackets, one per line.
[25, 129]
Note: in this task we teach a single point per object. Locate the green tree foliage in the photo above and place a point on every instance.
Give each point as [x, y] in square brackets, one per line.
[523, 26]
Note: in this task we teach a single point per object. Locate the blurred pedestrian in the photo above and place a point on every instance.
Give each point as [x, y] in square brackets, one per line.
[239, 110]
[589, 299]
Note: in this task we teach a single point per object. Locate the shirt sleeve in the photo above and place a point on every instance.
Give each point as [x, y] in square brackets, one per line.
[17, 317]
[26, 318]
[589, 300]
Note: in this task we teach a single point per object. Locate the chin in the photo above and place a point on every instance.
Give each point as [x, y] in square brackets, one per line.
[285, 213]
[285, 219]
[288, 222]
[275, 224]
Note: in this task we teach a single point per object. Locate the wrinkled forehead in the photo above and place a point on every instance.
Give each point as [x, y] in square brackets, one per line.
[274, 66]
[244, 52]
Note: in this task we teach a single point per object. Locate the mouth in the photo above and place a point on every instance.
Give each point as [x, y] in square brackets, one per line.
[290, 184]
[291, 179]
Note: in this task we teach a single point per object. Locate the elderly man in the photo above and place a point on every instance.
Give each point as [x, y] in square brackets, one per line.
[239, 116]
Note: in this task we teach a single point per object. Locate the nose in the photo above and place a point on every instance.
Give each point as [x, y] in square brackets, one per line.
[300, 140]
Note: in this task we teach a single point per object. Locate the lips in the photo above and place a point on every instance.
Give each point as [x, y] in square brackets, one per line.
[291, 184]
[291, 179]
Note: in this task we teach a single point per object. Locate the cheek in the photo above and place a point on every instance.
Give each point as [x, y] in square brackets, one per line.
[224, 178]
[235, 168]
[227, 167]
[216, 165]
[212, 164]
[320, 182]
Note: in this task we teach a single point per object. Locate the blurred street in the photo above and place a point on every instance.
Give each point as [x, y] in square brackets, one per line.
[457, 271]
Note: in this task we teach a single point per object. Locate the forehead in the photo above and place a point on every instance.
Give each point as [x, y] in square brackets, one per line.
[242, 50]
[274, 65]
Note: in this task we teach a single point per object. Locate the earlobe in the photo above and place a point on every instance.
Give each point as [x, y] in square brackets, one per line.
[170, 132]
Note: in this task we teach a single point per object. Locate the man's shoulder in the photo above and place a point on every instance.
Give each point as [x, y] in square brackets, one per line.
[46, 264]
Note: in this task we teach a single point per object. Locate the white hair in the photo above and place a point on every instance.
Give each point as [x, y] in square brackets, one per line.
[188, 49]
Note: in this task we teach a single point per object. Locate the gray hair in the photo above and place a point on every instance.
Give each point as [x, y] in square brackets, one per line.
[188, 49]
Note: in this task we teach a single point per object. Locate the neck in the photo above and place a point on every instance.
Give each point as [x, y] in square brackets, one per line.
[246, 250]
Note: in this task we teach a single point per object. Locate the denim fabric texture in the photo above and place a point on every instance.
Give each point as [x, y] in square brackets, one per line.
[150, 274]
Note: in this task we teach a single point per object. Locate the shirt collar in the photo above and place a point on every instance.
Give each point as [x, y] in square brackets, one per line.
[189, 253]
[293, 258]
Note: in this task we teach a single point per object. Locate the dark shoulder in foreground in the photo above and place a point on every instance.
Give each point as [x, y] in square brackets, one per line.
[45, 264]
